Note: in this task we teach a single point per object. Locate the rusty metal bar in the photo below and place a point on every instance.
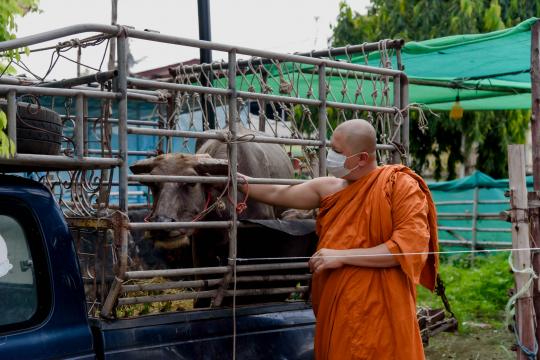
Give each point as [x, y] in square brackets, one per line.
[59, 161]
[79, 126]
[322, 120]
[167, 297]
[146, 274]
[12, 118]
[32, 90]
[179, 225]
[210, 179]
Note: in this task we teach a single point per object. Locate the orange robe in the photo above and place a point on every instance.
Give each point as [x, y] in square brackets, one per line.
[370, 313]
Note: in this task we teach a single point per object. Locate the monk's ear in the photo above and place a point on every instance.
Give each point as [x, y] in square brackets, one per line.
[208, 165]
[143, 166]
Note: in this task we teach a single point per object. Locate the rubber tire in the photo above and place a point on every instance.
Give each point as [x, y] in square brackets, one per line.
[39, 129]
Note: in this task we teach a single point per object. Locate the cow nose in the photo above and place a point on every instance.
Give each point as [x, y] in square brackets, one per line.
[160, 218]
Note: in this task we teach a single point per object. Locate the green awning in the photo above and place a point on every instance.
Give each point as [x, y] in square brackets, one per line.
[492, 70]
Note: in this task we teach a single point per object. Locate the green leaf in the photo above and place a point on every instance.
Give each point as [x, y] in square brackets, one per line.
[3, 120]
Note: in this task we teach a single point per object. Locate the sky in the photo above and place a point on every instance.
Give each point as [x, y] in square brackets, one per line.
[279, 25]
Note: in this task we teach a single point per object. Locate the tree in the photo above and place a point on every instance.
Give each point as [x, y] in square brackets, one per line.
[488, 131]
[9, 11]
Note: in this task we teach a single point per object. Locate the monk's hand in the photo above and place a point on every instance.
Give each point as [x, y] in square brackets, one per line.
[326, 259]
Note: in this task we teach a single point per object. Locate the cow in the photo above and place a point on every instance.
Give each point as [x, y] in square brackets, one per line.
[185, 202]
[179, 202]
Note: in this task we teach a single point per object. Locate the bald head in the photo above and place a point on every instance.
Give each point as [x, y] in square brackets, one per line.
[359, 136]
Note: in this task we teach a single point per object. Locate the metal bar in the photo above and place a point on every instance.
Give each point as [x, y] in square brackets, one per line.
[253, 52]
[209, 179]
[12, 119]
[166, 297]
[278, 98]
[145, 35]
[265, 278]
[222, 137]
[269, 291]
[493, 201]
[356, 107]
[115, 121]
[99, 77]
[172, 285]
[146, 274]
[79, 126]
[179, 225]
[59, 160]
[404, 84]
[122, 121]
[331, 52]
[32, 90]
[396, 127]
[463, 216]
[475, 87]
[56, 34]
[276, 266]
[131, 152]
[322, 120]
[153, 84]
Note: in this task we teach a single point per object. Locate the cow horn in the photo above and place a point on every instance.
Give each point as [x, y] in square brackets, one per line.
[212, 166]
[143, 166]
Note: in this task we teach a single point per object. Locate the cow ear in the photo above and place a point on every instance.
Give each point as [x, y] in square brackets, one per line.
[143, 166]
[211, 166]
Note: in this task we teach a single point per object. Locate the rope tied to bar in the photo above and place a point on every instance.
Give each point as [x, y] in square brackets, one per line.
[510, 307]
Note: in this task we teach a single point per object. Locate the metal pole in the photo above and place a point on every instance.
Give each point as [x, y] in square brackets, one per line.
[396, 127]
[322, 120]
[79, 126]
[122, 228]
[12, 118]
[535, 129]
[206, 58]
[233, 161]
[112, 51]
[404, 84]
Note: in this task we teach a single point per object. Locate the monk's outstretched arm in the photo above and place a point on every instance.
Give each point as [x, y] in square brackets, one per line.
[304, 196]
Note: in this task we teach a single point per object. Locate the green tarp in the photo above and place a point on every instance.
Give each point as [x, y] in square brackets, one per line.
[498, 60]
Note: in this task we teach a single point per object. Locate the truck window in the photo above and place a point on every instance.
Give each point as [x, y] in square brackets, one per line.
[18, 292]
[25, 297]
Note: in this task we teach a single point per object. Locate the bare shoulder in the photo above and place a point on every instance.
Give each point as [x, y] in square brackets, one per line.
[327, 185]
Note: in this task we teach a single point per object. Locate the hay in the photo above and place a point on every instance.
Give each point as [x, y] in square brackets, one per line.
[134, 310]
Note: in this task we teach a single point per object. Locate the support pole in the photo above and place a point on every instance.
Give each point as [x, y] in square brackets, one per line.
[534, 213]
[79, 126]
[12, 118]
[233, 160]
[206, 58]
[123, 155]
[322, 120]
[520, 240]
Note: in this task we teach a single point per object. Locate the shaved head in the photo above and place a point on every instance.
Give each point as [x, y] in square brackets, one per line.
[359, 136]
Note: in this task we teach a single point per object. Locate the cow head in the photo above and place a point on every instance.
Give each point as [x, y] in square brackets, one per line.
[175, 201]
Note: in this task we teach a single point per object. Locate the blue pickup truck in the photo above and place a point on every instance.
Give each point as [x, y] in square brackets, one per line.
[43, 312]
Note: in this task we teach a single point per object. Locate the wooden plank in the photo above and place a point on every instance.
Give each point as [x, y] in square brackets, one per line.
[520, 239]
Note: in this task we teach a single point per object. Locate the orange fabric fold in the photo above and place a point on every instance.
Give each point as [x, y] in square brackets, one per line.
[370, 313]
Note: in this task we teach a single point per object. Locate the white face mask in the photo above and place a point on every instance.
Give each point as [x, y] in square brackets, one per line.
[335, 164]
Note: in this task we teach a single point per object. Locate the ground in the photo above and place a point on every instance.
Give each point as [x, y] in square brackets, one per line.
[477, 344]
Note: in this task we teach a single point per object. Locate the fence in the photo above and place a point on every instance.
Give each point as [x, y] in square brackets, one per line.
[291, 92]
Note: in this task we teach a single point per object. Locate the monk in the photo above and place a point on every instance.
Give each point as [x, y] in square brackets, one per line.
[376, 226]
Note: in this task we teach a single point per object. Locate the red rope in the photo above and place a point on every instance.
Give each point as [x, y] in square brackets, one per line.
[202, 213]
[242, 206]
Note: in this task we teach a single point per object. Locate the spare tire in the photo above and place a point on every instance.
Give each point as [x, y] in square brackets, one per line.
[39, 130]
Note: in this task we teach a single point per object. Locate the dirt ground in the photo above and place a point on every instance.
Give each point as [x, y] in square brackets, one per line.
[477, 344]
